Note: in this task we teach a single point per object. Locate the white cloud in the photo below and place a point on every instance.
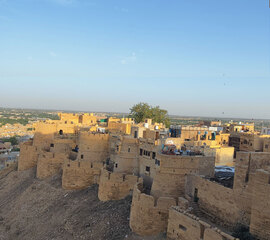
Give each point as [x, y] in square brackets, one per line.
[129, 59]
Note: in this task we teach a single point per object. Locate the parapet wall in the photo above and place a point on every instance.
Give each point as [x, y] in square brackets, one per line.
[49, 164]
[224, 155]
[93, 147]
[217, 201]
[149, 216]
[116, 186]
[185, 226]
[80, 174]
[169, 181]
[175, 164]
[28, 156]
[260, 211]
[169, 185]
[245, 169]
[124, 154]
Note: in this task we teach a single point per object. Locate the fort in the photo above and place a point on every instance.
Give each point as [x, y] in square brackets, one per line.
[171, 173]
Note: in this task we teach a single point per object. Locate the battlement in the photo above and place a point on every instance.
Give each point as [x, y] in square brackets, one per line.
[49, 164]
[171, 176]
[28, 156]
[93, 135]
[80, 174]
[218, 202]
[149, 215]
[183, 225]
[116, 186]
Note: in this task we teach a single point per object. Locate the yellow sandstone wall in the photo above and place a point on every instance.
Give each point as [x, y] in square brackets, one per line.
[223, 155]
[217, 201]
[148, 147]
[119, 127]
[28, 156]
[169, 181]
[149, 216]
[251, 142]
[93, 147]
[49, 164]
[266, 145]
[69, 117]
[59, 145]
[260, 211]
[124, 154]
[87, 119]
[185, 226]
[115, 186]
[245, 169]
[80, 174]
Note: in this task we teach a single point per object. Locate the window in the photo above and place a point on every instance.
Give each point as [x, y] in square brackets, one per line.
[153, 155]
[147, 169]
[116, 165]
[128, 149]
[82, 156]
[68, 165]
[182, 227]
[52, 145]
[266, 146]
[141, 152]
[117, 148]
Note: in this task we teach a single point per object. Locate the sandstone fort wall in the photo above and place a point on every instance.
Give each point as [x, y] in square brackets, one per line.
[185, 226]
[170, 178]
[260, 211]
[116, 186]
[149, 216]
[217, 201]
[93, 147]
[49, 164]
[28, 156]
[80, 174]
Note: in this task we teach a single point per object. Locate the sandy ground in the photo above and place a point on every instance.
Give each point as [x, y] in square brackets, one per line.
[42, 210]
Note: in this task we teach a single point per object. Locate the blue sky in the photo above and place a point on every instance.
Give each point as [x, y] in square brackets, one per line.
[198, 58]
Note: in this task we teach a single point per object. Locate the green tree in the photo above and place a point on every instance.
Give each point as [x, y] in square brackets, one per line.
[141, 111]
[13, 140]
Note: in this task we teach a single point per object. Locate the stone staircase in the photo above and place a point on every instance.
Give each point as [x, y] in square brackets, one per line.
[196, 210]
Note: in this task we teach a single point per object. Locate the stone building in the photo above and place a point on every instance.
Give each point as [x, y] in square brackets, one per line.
[171, 175]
